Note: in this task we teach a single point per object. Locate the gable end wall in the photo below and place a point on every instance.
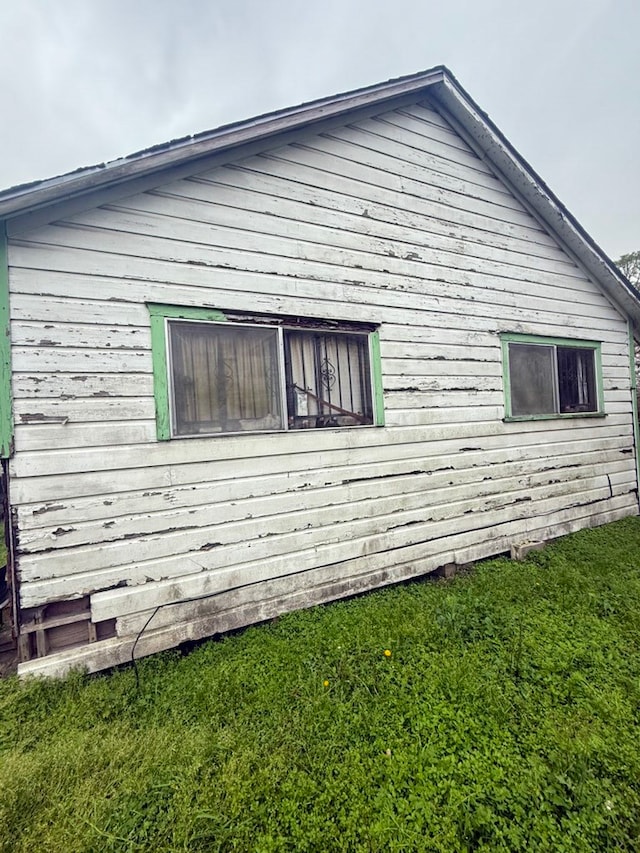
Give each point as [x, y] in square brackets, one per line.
[391, 220]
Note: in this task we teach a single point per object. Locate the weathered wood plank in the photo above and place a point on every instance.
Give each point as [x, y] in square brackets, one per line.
[163, 580]
[220, 206]
[216, 547]
[441, 172]
[80, 360]
[347, 446]
[371, 186]
[33, 386]
[163, 238]
[333, 581]
[341, 153]
[97, 656]
[380, 478]
[41, 436]
[372, 301]
[94, 410]
[29, 301]
[118, 602]
[267, 513]
[46, 334]
[431, 134]
[255, 190]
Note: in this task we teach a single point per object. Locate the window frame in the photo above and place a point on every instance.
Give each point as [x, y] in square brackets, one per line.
[566, 343]
[161, 315]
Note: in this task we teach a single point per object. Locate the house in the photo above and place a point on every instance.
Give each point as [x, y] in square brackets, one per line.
[296, 358]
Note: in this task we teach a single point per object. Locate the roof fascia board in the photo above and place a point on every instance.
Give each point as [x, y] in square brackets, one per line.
[500, 155]
[94, 196]
[232, 136]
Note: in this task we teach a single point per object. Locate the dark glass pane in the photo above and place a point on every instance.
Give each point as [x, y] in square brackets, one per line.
[225, 378]
[576, 380]
[531, 375]
[328, 379]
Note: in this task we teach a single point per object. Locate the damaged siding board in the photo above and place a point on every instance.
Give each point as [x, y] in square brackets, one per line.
[286, 255]
[312, 447]
[414, 548]
[6, 419]
[326, 506]
[251, 292]
[411, 547]
[244, 493]
[392, 222]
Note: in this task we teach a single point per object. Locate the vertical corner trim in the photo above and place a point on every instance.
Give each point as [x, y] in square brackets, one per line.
[634, 404]
[6, 405]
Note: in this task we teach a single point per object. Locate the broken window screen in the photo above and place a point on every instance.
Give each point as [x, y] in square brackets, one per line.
[531, 373]
[225, 378]
[328, 379]
[549, 378]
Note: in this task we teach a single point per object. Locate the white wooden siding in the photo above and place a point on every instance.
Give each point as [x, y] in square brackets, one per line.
[392, 220]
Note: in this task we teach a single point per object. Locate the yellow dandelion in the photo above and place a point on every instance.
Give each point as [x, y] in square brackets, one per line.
[325, 683]
[387, 653]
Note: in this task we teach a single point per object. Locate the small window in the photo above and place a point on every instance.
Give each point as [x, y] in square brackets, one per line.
[545, 377]
[215, 376]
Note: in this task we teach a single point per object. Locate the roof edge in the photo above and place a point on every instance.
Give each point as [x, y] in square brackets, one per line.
[444, 90]
[456, 101]
[25, 198]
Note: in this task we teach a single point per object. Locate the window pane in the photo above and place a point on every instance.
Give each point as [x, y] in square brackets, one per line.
[225, 378]
[531, 369]
[576, 380]
[328, 379]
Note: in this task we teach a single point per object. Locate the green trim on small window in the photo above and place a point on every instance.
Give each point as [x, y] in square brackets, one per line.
[376, 370]
[6, 404]
[506, 376]
[159, 313]
[513, 337]
[553, 416]
[599, 379]
[184, 312]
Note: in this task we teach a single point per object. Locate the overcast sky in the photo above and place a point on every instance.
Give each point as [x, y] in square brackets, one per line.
[90, 80]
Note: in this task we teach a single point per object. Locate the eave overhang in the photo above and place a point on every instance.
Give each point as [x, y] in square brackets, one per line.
[17, 201]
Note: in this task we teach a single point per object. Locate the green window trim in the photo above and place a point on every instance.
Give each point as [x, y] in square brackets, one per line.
[6, 403]
[160, 313]
[542, 340]
[376, 374]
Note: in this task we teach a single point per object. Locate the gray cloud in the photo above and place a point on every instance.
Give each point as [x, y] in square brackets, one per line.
[90, 81]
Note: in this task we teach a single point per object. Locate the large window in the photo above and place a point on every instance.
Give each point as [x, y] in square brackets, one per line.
[551, 377]
[217, 375]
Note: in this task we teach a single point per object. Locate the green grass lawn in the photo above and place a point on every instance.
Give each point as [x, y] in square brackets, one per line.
[505, 718]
